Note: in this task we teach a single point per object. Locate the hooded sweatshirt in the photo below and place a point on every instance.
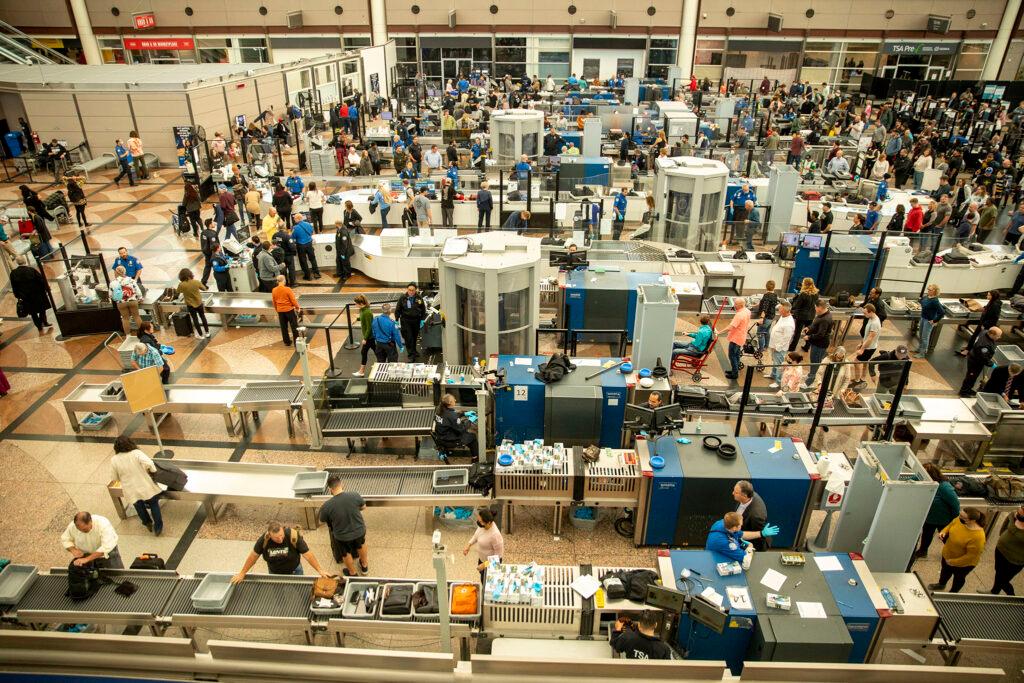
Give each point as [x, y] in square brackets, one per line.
[725, 543]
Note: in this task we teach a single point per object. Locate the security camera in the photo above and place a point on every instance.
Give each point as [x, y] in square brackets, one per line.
[704, 15]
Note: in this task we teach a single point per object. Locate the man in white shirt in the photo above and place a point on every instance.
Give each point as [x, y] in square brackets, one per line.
[778, 340]
[838, 165]
[433, 158]
[856, 128]
[91, 538]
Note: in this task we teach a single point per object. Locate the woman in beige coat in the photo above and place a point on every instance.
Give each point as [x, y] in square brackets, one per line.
[132, 468]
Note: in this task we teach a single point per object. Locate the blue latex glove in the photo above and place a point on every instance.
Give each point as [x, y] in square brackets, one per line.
[683, 440]
[769, 531]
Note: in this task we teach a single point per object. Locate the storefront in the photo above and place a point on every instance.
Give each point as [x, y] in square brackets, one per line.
[918, 61]
[162, 50]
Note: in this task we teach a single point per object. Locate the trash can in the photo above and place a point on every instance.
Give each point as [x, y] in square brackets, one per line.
[14, 143]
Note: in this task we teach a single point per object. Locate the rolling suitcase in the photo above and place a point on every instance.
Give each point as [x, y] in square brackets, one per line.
[182, 324]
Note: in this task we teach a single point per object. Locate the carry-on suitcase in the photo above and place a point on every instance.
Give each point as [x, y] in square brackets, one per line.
[182, 324]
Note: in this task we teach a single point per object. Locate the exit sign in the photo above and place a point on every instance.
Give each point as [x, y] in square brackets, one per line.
[144, 20]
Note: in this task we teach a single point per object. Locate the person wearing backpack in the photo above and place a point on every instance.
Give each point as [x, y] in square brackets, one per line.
[91, 539]
[132, 468]
[283, 548]
[208, 243]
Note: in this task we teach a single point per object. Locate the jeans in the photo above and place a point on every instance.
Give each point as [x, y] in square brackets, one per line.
[448, 217]
[229, 230]
[818, 354]
[778, 358]
[149, 512]
[483, 219]
[1005, 571]
[198, 314]
[384, 216]
[112, 561]
[126, 170]
[918, 179]
[925, 335]
[80, 215]
[307, 259]
[735, 351]
[959, 575]
[316, 216]
[762, 332]
[298, 569]
[196, 220]
[681, 349]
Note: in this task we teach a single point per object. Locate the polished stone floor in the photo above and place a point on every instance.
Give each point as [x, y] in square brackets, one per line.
[47, 472]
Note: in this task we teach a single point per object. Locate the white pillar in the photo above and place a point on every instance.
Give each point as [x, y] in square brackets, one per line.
[90, 47]
[688, 38]
[378, 22]
[997, 51]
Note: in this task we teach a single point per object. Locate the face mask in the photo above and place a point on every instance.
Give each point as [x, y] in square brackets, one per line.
[1019, 517]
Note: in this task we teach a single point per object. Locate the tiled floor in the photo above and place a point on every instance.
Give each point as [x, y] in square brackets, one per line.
[47, 471]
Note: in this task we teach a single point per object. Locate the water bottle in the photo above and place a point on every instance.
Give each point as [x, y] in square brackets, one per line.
[700, 423]
[952, 424]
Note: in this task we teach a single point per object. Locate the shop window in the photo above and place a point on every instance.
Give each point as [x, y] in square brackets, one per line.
[624, 67]
[213, 50]
[252, 50]
[351, 43]
[591, 69]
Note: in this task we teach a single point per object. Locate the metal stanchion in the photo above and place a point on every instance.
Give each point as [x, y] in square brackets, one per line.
[826, 381]
[890, 418]
[350, 343]
[748, 378]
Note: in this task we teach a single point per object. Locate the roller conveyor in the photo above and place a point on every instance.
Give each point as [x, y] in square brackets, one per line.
[397, 483]
[267, 395]
[260, 600]
[980, 617]
[45, 602]
[363, 422]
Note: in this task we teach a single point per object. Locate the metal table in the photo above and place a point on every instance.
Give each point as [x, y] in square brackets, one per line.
[208, 399]
[261, 601]
[937, 423]
[735, 278]
[353, 423]
[45, 602]
[257, 396]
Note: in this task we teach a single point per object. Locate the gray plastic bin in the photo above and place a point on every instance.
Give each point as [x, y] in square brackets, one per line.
[213, 593]
[15, 580]
[359, 611]
[405, 616]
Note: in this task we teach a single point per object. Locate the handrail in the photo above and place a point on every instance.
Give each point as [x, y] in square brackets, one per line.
[34, 45]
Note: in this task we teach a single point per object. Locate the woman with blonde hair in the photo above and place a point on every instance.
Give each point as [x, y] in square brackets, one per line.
[803, 308]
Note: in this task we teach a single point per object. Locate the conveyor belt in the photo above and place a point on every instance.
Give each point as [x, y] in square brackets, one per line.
[378, 422]
[395, 482]
[47, 594]
[264, 392]
[337, 302]
[254, 597]
[627, 251]
[980, 617]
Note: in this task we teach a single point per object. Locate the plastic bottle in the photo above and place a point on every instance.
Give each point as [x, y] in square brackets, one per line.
[700, 423]
[952, 424]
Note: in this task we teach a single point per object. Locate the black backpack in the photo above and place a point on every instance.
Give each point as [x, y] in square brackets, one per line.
[83, 581]
[481, 477]
[169, 475]
[148, 561]
[635, 582]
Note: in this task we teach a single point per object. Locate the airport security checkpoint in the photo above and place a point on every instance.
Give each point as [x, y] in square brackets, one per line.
[689, 369]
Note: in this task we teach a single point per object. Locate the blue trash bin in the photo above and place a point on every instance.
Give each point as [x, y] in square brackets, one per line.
[13, 140]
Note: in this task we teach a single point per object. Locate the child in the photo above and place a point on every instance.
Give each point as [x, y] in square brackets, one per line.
[793, 374]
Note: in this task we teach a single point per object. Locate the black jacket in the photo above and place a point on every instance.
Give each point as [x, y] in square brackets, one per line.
[450, 428]
[803, 306]
[208, 240]
[755, 518]
[819, 332]
[343, 243]
[283, 240]
[981, 353]
[417, 311]
[452, 154]
[282, 201]
[636, 645]
[996, 384]
[448, 197]
[28, 285]
[990, 314]
[352, 220]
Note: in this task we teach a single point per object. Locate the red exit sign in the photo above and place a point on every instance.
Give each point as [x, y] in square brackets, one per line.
[144, 20]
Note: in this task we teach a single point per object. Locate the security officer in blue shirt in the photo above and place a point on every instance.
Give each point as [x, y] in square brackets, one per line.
[523, 168]
[132, 265]
[618, 214]
[871, 220]
[463, 84]
[220, 263]
[740, 198]
[294, 183]
[475, 152]
[386, 340]
[453, 174]
[302, 233]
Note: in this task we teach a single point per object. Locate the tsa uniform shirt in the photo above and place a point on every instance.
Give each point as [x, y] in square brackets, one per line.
[132, 265]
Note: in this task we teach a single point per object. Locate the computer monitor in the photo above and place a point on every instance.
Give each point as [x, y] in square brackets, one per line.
[568, 259]
[638, 416]
[813, 241]
[667, 599]
[791, 239]
[667, 415]
[703, 611]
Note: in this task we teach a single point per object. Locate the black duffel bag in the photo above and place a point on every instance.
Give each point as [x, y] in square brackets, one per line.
[398, 600]
[169, 475]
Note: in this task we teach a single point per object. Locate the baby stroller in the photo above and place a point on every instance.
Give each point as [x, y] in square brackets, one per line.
[57, 204]
[752, 347]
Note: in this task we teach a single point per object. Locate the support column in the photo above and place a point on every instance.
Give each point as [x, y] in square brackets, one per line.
[688, 38]
[83, 26]
[378, 22]
[997, 51]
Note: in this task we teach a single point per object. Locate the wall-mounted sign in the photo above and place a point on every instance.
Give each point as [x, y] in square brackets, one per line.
[908, 48]
[144, 20]
[159, 44]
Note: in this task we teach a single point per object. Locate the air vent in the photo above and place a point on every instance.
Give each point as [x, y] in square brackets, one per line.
[294, 20]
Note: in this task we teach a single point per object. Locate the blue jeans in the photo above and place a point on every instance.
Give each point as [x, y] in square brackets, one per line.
[778, 358]
[918, 179]
[298, 570]
[384, 216]
[735, 351]
[818, 354]
[149, 512]
[681, 349]
[762, 332]
[925, 335]
[230, 231]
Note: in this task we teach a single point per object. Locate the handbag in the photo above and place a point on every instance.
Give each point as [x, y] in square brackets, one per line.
[231, 217]
[326, 587]
[21, 310]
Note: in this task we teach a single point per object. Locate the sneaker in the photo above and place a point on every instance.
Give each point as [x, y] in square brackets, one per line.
[198, 335]
[207, 334]
[357, 374]
[767, 375]
[936, 586]
[158, 532]
[364, 569]
[773, 385]
[984, 591]
[149, 527]
[346, 572]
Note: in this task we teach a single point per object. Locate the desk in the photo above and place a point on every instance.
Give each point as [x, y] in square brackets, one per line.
[722, 271]
[563, 650]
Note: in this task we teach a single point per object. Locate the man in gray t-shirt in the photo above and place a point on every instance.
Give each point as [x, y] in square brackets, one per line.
[343, 514]
[421, 205]
[868, 345]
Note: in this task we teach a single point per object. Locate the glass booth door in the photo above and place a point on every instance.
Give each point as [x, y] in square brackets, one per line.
[453, 68]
